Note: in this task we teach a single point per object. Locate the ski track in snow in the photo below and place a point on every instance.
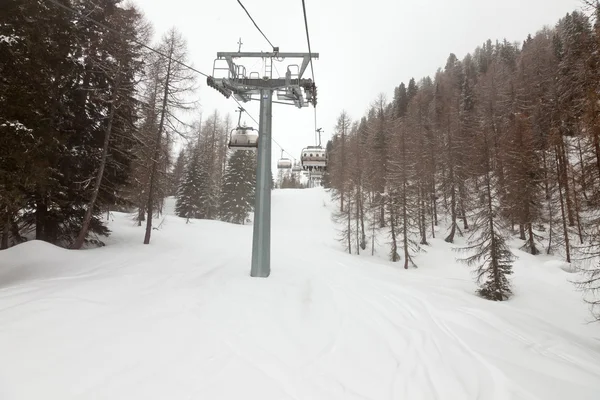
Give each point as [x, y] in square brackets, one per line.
[182, 319]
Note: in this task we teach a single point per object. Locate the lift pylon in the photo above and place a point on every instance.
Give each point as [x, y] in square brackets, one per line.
[292, 90]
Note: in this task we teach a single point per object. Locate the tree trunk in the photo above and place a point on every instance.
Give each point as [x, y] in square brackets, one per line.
[41, 216]
[493, 253]
[583, 180]
[419, 214]
[363, 237]
[373, 240]
[546, 184]
[90, 208]
[498, 157]
[596, 141]
[532, 247]
[382, 212]
[150, 205]
[405, 226]
[141, 215]
[564, 176]
[577, 217]
[357, 217]
[522, 231]
[422, 208]
[450, 237]
[6, 230]
[343, 167]
[349, 227]
[433, 187]
[451, 177]
[463, 212]
[395, 256]
[562, 209]
[550, 226]
[433, 224]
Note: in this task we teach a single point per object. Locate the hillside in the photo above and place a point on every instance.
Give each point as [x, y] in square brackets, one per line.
[181, 319]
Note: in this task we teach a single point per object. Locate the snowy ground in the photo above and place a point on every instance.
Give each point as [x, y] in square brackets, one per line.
[182, 320]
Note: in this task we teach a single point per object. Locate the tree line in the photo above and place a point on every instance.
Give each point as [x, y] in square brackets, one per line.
[503, 145]
[89, 118]
[212, 182]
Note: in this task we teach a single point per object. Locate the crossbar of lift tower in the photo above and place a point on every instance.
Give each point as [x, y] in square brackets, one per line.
[260, 54]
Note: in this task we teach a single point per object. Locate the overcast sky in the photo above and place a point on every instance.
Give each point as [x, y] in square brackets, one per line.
[365, 47]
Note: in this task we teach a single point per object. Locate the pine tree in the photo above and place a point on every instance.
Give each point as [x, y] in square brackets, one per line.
[238, 191]
[492, 259]
[205, 185]
[188, 192]
[176, 176]
[63, 106]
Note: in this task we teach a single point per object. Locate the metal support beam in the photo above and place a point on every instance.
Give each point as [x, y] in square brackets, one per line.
[261, 241]
[230, 55]
[260, 54]
[252, 84]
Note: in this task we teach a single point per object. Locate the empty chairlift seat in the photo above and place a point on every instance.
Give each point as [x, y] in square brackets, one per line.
[243, 138]
[284, 163]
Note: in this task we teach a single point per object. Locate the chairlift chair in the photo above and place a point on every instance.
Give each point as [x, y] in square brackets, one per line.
[284, 163]
[314, 158]
[243, 138]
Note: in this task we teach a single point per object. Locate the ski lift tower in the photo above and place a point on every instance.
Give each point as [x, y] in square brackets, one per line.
[291, 90]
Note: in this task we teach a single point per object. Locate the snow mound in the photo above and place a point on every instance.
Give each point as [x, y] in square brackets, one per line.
[559, 264]
[182, 319]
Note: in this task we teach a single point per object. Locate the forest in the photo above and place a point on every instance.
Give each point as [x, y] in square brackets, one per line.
[91, 122]
[502, 145]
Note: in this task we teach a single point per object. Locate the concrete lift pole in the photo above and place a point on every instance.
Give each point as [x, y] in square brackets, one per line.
[243, 87]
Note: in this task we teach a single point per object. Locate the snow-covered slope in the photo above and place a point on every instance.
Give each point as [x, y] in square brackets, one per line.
[182, 319]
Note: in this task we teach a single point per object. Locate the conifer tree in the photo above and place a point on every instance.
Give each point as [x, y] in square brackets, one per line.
[402, 195]
[188, 192]
[63, 105]
[449, 101]
[492, 257]
[346, 230]
[238, 191]
[204, 184]
[176, 175]
[508, 136]
[338, 172]
[379, 126]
